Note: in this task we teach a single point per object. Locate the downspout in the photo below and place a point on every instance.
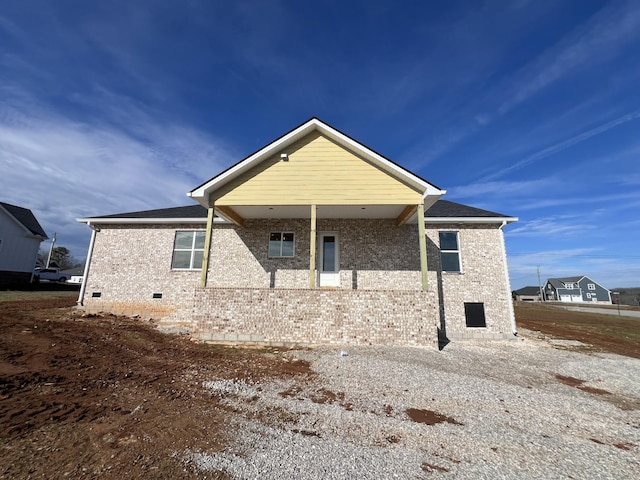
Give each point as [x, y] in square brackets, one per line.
[512, 314]
[87, 264]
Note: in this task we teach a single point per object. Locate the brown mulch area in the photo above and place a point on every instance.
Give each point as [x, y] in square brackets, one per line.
[111, 397]
[608, 333]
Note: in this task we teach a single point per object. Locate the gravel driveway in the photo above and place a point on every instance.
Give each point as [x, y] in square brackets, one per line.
[520, 409]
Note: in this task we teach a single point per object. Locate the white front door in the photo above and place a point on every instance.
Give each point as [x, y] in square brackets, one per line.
[328, 259]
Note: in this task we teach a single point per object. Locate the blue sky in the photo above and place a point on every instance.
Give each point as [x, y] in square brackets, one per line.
[528, 108]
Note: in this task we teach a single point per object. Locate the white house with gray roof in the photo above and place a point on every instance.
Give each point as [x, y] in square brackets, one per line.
[315, 238]
[20, 238]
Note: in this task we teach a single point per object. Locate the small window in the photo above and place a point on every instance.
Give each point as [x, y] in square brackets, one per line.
[449, 252]
[569, 286]
[188, 250]
[591, 286]
[588, 295]
[281, 244]
[474, 314]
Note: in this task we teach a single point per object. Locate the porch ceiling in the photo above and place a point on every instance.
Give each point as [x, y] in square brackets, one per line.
[322, 211]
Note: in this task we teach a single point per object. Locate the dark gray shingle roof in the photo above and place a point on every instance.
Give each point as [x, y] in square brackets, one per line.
[26, 218]
[529, 291]
[189, 211]
[446, 208]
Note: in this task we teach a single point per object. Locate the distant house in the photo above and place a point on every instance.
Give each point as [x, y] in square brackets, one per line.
[20, 238]
[575, 289]
[75, 274]
[527, 294]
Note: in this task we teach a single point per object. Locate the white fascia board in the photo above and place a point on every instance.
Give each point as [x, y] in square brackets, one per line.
[470, 220]
[148, 221]
[201, 193]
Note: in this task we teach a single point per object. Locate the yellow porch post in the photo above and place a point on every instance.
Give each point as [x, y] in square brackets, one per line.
[207, 245]
[423, 247]
[312, 249]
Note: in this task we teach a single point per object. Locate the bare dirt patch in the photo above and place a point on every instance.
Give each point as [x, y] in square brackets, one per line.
[429, 417]
[576, 382]
[110, 396]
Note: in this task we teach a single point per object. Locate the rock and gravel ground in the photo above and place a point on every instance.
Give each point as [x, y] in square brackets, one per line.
[110, 397]
[520, 409]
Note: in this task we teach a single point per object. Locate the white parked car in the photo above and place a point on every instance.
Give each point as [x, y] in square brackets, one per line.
[51, 274]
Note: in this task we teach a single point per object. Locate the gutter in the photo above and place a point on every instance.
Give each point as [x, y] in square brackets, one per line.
[87, 264]
[512, 314]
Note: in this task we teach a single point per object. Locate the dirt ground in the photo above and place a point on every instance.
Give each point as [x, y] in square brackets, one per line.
[608, 333]
[85, 396]
[110, 397]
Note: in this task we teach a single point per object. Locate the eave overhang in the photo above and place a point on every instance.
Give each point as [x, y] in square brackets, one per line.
[470, 220]
[147, 221]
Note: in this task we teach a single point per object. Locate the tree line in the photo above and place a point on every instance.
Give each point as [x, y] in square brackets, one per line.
[60, 257]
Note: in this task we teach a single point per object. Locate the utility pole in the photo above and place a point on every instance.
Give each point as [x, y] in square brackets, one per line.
[53, 242]
[540, 285]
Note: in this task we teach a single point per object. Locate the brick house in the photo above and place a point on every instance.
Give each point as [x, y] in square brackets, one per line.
[314, 238]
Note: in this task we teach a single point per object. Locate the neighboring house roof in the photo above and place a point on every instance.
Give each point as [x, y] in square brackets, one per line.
[528, 291]
[442, 210]
[25, 217]
[201, 193]
[560, 282]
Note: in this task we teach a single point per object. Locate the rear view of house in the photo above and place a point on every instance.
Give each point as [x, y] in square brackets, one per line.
[314, 238]
[20, 238]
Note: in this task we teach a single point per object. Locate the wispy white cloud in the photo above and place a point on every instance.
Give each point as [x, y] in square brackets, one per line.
[503, 188]
[555, 226]
[589, 45]
[558, 147]
[593, 43]
[63, 169]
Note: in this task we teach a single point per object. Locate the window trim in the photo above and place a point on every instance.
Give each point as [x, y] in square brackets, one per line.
[193, 250]
[282, 234]
[591, 286]
[456, 251]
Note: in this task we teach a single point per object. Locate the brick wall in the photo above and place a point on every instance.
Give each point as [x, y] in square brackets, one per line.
[379, 299]
[482, 279]
[130, 264]
[303, 316]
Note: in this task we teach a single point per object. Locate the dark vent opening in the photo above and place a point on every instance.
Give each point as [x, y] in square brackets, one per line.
[474, 314]
[96, 294]
[157, 295]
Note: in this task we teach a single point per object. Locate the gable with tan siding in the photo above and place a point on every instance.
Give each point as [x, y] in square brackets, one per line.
[318, 171]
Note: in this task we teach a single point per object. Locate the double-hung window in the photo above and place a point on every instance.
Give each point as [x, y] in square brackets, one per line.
[281, 244]
[188, 250]
[449, 251]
